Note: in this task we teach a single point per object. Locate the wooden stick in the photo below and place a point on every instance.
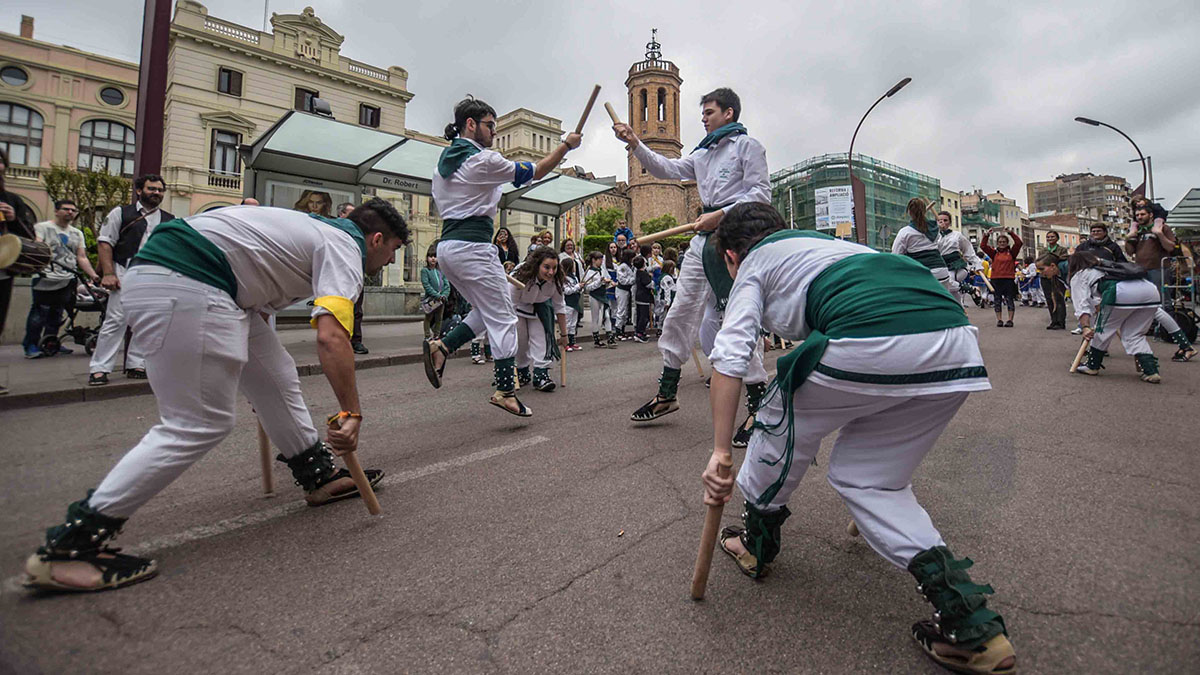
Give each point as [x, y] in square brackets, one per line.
[686, 228]
[356, 472]
[708, 539]
[587, 110]
[264, 454]
[514, 282]
[987, 282]
[1079, 356]
[562, 366]
[612, 113]
[696, 360]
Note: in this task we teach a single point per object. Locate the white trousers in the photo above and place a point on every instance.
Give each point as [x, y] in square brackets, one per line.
[946, 278]
[111, 338]
[1165, 320]
[956, 277]
[694, 314]
[882, 441]
[201, 348]
[1131, 322]
[621, 317]
[476, 272]
[601, 316]
[572, 320]
[531, 343]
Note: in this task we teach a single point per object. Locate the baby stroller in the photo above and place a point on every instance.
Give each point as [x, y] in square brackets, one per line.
[1178, 292]
[88, 298]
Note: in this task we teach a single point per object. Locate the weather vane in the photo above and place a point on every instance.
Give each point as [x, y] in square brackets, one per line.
[653, 49]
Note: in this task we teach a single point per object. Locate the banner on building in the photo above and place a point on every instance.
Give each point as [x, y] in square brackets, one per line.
[834, 208]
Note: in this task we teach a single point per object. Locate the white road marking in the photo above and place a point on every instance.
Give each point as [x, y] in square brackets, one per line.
[239, 522]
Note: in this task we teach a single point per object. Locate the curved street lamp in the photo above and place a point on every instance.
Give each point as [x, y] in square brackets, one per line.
[857, 189]
[1141, 157]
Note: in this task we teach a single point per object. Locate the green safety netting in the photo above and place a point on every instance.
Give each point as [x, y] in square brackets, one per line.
[321, 148]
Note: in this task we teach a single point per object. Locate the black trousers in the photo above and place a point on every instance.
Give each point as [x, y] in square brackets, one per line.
[358, 316]
[1056, 302]
[643, 319]
[6, 286]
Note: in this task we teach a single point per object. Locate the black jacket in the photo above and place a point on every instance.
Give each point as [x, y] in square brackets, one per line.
[1106, 250]
[23, 226]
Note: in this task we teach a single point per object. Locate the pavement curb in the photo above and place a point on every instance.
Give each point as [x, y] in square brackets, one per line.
[123, 389]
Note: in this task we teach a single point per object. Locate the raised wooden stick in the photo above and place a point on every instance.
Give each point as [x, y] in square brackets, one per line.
[708, 539]
[264, 455]
[587, 110]
[356, 472]
[1079, 355]
[686, 228]
[987, 282]
[514, 282]
[696, 360]
[612, 114]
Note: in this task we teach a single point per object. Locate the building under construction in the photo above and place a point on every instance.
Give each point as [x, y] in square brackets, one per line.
[888, 189]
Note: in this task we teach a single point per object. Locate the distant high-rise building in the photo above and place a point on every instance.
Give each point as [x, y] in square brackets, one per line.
[888, 189]
[1103, 198]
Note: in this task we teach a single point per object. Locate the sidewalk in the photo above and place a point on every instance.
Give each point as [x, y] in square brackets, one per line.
[63, 378]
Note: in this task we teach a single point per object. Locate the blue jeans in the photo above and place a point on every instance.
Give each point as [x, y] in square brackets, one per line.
[46, 313]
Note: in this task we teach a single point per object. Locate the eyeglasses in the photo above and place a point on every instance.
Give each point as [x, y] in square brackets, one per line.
[490, 125]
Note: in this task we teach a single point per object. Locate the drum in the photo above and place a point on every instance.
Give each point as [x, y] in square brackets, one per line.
[23, 256]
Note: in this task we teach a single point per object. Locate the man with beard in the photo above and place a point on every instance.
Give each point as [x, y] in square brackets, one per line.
[195, 295]
[121, 236]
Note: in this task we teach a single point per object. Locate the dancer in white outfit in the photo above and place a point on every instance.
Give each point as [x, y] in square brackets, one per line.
[918, 240]
[888, 378]
[729, 168]
[536, 306]
[467, 185]
[194, 295]
[959, 256]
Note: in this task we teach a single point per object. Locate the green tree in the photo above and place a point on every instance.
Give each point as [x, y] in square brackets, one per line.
[95, 193]
[603, 221]
[659, 224]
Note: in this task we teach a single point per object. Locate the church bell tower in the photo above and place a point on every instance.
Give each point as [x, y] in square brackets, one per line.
[653, 87]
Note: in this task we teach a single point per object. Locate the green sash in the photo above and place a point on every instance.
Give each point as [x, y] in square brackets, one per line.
[844, 302]
[178, 246]
[931, 259]
[954, 260]
[477, 229]
[731, 129]
[545, 314]
[714, 266]
[459, 151]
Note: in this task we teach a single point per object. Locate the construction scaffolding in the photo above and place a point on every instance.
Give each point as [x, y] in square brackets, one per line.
[888, 189]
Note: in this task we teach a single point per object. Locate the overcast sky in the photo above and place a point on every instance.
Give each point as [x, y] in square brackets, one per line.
[995, 87]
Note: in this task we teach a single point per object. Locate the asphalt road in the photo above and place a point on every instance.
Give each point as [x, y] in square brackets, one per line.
[565, 543]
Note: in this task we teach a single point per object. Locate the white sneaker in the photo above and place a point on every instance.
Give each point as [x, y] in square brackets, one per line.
[1077, 331]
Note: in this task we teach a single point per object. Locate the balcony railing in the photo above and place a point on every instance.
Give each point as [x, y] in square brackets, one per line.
[23, 173]
[231, 30]
[363, 69]
[224, 181]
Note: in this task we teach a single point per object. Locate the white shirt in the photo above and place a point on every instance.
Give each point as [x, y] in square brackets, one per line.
[771, 291]
[281, 257]
[952, 241]
[536, 291]
[110, 231]
[911, 240]
[475, 189]
[730, 172]
[65, 243]
[1134, 294]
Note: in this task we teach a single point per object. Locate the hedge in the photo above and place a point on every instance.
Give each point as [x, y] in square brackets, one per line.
[599, 242]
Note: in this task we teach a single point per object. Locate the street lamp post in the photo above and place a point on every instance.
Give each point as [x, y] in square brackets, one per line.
[857, 189]
[1142, 158]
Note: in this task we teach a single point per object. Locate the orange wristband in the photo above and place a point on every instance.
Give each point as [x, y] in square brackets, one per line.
[335, 419]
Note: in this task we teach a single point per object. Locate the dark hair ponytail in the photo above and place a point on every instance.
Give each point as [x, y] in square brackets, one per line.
[470, 108]
[916, 212]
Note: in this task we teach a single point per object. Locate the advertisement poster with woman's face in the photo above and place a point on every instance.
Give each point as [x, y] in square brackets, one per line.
[306, 200]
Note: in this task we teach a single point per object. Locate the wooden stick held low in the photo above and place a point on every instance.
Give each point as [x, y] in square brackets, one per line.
[1079, 356]
[612, 114]
[356, 472]
[264, 455]
[696, 360]
[686, 228]
[708, 539]
[988, 282]
[587, 110]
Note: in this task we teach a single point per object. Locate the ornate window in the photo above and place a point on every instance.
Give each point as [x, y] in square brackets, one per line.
[105, 145]
[112, 96]
[21, 134]
[224, 158]
[13, 76]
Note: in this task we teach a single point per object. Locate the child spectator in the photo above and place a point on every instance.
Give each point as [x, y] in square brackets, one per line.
[643, 297]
